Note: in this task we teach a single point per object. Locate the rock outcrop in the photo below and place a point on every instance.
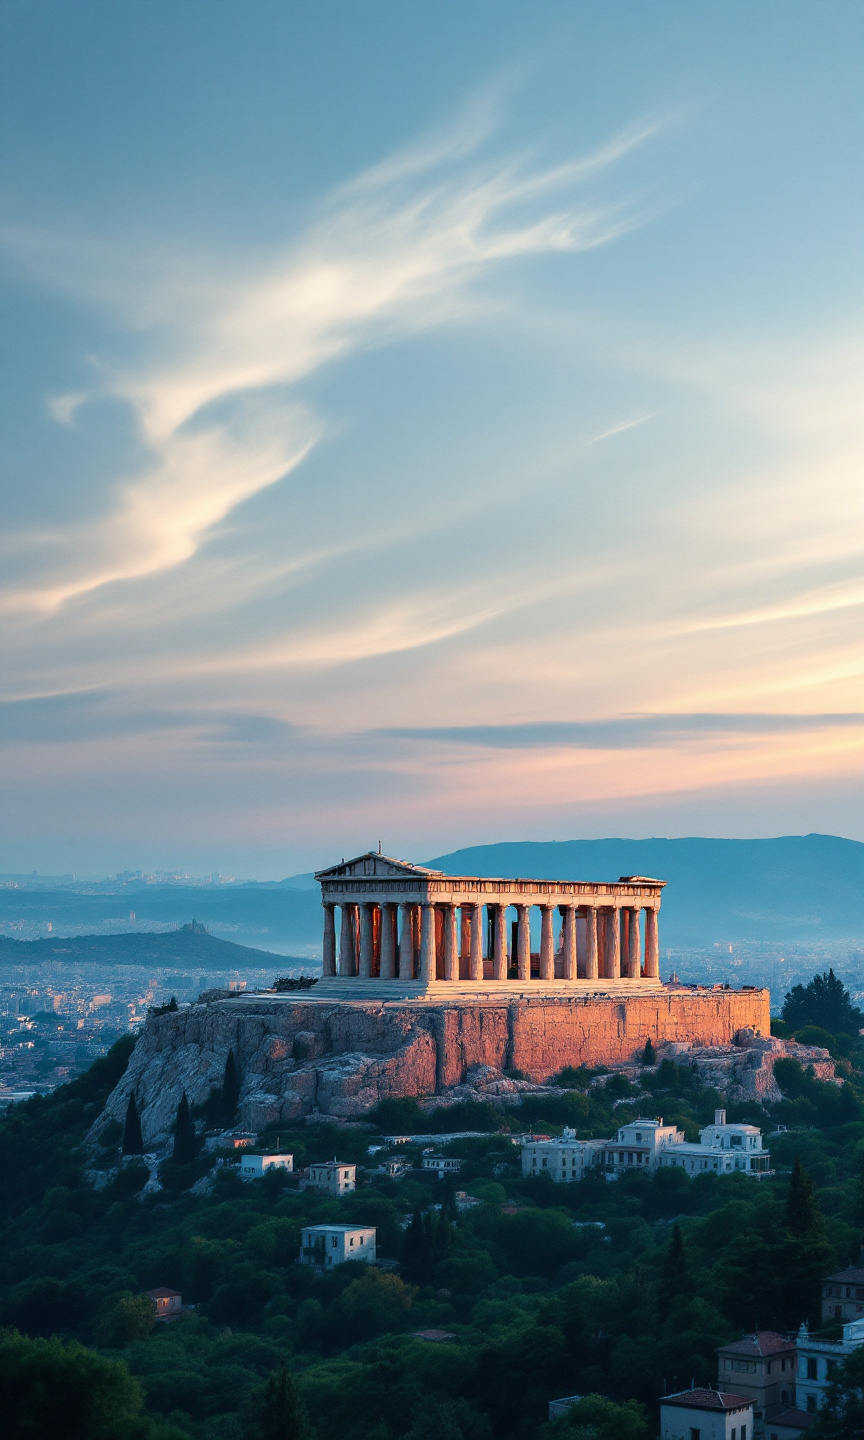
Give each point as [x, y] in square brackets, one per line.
[301, 1056]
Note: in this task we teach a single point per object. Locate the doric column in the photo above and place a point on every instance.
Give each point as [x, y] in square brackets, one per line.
[568, 913]
[451, 944]
[591, 969]
[406, 944]
[613, 944]
[633, 958]
[464, 939]
[367, 934]
[329, 962]
[523, 941]
[346, 941]
[427, 943]
[652, 946]
[547, 943]
[388, 942]
[475, 954]
[499, 944]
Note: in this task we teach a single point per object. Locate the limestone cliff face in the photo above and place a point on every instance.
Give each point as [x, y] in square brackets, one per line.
[299, 1057]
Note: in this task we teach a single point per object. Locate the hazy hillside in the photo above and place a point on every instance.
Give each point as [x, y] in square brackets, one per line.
[181, 948]
[275, 917]
[796, 887]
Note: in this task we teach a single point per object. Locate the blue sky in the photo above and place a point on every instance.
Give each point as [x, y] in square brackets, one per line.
[435, 423]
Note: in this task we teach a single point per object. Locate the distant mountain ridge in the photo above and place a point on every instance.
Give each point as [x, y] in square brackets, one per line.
[190, 947]
[792, 888]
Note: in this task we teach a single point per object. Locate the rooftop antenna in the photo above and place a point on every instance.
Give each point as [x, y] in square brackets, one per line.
[379, 847]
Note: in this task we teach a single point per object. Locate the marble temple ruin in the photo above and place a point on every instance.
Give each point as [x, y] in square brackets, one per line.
[404, 929]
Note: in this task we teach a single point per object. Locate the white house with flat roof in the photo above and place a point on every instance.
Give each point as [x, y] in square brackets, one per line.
[640, 1144]
[564, 1160]
[818, 1360]
[329, 1245]
[333, 1177]
[706, 1415]
[252, 1167]
[442, 1164]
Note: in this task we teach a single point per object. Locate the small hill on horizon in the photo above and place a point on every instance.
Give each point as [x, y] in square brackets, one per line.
[190, 947]
[794, 888]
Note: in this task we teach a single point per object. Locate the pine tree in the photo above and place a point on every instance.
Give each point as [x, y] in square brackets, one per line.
[133, 1141]
[185, 1139]
[230, 1089]
[802, 1216]
[825, 1002]
[448, 1199]
[281, 1415]
[674, 1277]
[649, 1054]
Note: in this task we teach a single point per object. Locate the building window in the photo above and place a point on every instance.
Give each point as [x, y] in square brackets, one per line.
[334, 1242]
[812, 1371]
[811, 1404]
[695, 1433]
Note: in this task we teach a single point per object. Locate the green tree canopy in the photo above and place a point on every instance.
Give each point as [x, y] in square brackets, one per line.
[67, 1392]
[825, 1002]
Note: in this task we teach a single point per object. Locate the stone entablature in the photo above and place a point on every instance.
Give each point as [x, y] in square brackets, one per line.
[399, 922]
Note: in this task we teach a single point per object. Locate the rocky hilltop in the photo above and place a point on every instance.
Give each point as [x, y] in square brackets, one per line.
[304, 1056]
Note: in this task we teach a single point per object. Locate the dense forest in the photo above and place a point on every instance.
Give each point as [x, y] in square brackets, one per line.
[616, 1292]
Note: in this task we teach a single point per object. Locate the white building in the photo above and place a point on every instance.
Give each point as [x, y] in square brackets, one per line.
[329, 1245]
[565, 1160]
[641, 1144]
[333, 1177]
[253, 1166]
[706, 1415]
[442, 1164]
[721, 1149]
[818, 1360]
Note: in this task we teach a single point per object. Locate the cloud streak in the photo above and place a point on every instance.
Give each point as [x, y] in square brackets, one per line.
[390, 252]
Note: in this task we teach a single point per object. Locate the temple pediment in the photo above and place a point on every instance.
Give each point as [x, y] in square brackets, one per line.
[373, 865]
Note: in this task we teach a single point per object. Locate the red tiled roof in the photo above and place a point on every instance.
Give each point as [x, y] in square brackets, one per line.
[852, 1275]
[802, 1418]
[761, 1343]
[708, 1400]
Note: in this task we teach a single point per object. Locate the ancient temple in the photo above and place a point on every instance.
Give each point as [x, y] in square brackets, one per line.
[407, 929]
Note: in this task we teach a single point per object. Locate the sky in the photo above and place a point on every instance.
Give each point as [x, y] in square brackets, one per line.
[427, 423]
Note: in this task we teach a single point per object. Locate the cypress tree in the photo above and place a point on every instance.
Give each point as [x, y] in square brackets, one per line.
[230, 1089]
[416, 1251]
[133, 1141]
[281, 1415]
[649, 1054]
[442, 1246]
[802, 1216]
[674, 1275]
[185, 1139]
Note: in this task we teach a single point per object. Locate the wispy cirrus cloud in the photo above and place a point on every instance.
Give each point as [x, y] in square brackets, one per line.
[389, 252]
[626, 732]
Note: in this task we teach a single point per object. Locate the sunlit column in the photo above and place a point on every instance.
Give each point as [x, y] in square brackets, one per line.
[569, 938]
[523, 941]
[591, 942]
[547, 943]
[475, 954]
[451, 945]
[499, 944]
[406, 944]
[652, 945]
[346, 940]
[388, 942]
[633, 945]
[613, 944]
[427, 943]
[329, 961]
[367, 934]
